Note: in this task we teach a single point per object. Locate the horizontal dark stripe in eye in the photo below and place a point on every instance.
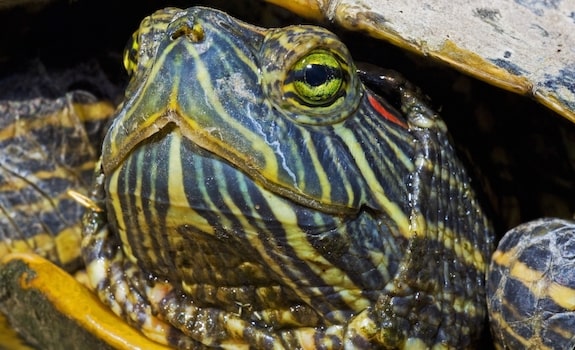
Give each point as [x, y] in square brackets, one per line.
[315, 74]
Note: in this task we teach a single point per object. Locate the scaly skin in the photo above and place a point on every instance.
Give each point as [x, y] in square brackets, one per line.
[256, 193]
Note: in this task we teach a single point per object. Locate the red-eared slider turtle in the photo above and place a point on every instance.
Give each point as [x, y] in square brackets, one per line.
[332, 211]
[244, 198]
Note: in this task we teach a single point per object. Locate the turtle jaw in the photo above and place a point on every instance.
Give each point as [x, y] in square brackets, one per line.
[210, 141]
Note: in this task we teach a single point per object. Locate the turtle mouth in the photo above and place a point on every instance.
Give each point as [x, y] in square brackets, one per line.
[212, 143]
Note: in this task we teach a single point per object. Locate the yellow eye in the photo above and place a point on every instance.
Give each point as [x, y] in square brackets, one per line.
[309, 76]
[131, 53]
[317, 78]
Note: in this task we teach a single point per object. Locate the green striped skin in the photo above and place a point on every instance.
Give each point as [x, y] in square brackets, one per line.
[531, 289]
[48, 147]
[251, 215]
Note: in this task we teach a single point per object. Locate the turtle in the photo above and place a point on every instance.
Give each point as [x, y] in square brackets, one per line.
[230, 230]
[245, 308]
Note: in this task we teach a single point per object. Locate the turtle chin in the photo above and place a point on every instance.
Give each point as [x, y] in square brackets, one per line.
[197, 222]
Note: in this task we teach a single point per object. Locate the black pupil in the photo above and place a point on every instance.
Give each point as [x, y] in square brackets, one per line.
[317, 74]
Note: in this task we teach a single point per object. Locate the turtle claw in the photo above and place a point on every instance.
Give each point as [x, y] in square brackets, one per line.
[114, 283]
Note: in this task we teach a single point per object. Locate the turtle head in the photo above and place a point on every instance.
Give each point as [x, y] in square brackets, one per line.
[283, 106]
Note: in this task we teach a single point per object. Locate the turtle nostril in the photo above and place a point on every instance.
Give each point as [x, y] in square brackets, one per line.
[194, 33]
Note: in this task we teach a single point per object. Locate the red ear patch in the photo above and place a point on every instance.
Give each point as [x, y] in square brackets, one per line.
[384, 112]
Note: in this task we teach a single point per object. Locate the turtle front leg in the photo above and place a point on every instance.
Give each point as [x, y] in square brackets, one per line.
[115, 279]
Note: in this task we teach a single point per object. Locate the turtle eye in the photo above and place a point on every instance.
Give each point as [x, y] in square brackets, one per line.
[316, 79]
[131, 51]
[309, 76]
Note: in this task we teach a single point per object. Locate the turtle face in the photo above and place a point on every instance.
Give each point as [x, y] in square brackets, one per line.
[255, 185]
[239, 147]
